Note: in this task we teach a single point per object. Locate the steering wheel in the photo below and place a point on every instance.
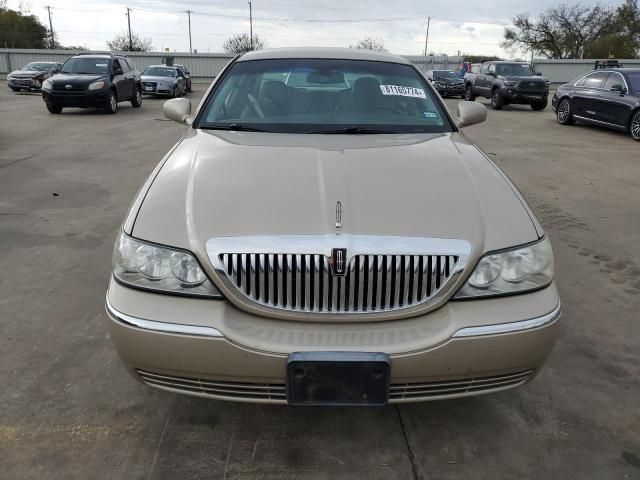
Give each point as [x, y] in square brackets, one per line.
[383, 107]
[255, 105]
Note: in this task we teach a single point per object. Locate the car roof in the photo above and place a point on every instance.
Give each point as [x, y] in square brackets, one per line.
[508, 61]
[163, 66]
[322, 52]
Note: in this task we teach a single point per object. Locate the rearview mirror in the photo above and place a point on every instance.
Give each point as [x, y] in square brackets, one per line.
[470, 113]
[178, 110]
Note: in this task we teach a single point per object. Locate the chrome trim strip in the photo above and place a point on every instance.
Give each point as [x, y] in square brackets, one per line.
[282, 247]
[599, 122]
[511, 326]
[164, 327]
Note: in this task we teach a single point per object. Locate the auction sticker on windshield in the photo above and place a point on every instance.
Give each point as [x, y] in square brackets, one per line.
[402, 91]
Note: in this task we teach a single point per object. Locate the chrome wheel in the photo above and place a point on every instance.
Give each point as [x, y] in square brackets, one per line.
[112, 101]
[635, 126]
[563, 111]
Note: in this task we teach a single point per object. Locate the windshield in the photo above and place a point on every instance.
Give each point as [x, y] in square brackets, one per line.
[633, 79]
[37, 67]
[514, 70]
[446, 75]
[159, 72]
[88, 66]
[324, 96]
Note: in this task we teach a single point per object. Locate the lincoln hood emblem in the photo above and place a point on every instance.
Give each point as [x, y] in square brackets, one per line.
[339, 215]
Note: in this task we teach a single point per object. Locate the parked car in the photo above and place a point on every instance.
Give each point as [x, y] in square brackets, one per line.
[609, 98]
[164, 80]
[506, 83]
[447, 82]
[187, 75]
[31, 76]
[317, 245]
[93, 81]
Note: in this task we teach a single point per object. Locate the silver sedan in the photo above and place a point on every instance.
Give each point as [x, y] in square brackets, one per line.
[163, 80]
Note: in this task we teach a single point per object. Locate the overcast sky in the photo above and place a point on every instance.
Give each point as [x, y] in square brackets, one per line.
[469, 26]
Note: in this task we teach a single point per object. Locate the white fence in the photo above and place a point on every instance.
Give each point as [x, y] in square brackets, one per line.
[205, 66]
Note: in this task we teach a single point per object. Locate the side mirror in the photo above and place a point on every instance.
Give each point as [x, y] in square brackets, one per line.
[54, 70]
[618, 88]
[117, 71]
[470, 113]
[538, 74]
[491, 74]
[178, 110]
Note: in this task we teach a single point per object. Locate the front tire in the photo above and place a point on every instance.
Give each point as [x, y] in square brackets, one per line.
[174, 94]
[563, 112]
[111, 106]
[136, 101]
[468, 94]
[497, 100]
[53, 108]
[15, 89]
[634, 126]
[537, 106]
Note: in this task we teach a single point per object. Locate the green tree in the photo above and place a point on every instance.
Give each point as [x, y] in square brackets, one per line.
[20, 30]
[241, 43]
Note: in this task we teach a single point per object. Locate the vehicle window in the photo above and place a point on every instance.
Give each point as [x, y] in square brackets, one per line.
[484, 67]
[492, 68]
[445, 74]
[116, 65]
[318, 95]
[596, 80]
[160, 71]
[614, 79]
[580, 81]
[86, 65]
[633, 80]
[37, 67]
[124, 65]
[515, 70]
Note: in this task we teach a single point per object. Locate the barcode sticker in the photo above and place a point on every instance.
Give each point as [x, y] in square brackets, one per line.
[402, 91]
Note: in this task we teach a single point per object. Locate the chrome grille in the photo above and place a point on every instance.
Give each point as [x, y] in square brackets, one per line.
[304, 282]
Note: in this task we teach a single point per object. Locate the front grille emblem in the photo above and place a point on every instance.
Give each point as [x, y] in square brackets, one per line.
[339, 215]
[532, 84]
[338, 262]
[68, 86]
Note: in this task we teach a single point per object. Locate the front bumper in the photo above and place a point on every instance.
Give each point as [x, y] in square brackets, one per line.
[210, 348]
[513, 95]
[451, 90]
[157, 89]
[76, 98]
[25, 83]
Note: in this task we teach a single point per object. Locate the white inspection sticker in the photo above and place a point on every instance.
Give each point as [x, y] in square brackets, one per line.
[402, 91]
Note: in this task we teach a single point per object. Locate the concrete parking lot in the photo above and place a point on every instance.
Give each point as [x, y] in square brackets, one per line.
[68, 410]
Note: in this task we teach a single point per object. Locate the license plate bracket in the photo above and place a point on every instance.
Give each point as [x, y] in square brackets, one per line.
[338, 378]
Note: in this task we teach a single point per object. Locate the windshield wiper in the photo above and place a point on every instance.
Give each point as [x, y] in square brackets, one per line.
[236, 127]
[351, 131]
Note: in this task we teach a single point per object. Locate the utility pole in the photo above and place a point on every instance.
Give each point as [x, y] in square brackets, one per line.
[129, 23]
[426, 39]
[189, 15]
[53, 42]
[250, 26]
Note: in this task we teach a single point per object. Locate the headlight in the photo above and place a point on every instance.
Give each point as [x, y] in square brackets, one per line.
[510, 83]
[96, 85]
[152, 267]
[46, 84]
[513, 271]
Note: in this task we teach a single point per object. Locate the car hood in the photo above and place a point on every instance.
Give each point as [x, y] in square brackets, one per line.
[158, 79]
[27, 73]
[74, 79]
[524, 79]
[449, 81]
[218, 183]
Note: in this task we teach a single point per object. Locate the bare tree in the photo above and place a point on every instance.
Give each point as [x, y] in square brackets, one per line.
[241, 43]
[559, 32]
[369, 43]
[120, 43]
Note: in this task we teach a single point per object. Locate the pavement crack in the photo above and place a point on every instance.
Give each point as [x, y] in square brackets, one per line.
[13, 162]
[412, 457]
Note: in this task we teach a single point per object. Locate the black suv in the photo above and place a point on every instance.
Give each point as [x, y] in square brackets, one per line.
[93, 80]
[508, 82]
